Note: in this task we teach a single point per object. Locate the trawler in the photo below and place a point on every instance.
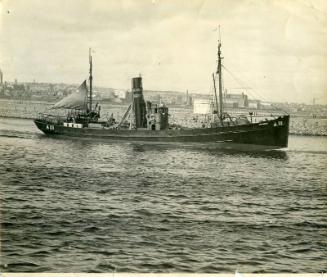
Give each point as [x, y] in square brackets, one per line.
[144, 121]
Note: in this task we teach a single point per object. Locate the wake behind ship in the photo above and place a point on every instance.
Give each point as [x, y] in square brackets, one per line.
[149, 122]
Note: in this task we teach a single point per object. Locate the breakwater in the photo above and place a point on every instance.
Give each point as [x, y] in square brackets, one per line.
[299, 125]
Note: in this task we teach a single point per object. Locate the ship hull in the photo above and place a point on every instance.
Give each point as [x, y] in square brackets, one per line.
[272, 134]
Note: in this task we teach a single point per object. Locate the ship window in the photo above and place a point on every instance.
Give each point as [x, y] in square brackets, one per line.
[153, 127]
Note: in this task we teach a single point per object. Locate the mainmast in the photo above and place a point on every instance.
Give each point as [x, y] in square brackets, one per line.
[215, 90]
[91, 79]
[220, 86]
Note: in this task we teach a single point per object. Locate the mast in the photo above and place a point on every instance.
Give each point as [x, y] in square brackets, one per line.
[220, 86]
[91, 79]
[214, 86]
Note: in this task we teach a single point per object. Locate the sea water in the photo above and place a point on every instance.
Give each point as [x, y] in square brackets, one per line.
[81, 205]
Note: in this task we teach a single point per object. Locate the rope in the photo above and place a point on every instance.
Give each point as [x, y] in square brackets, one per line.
[256, 94]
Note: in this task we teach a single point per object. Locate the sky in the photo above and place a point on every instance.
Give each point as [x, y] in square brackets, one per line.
[276, 47]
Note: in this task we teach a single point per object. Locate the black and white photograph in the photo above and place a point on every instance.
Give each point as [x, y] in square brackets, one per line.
[163, 136]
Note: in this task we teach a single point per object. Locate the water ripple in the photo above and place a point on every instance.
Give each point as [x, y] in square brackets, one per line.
[92, 206]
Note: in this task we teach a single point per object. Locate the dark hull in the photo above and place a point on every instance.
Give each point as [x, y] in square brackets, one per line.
[272, 134]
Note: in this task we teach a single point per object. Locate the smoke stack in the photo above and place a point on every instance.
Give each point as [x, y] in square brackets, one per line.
[138, 103]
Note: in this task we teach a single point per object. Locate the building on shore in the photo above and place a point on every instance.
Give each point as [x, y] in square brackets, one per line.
[1, 78]
[202, 106]
[254, 104]
[1, 84]
[236, 100]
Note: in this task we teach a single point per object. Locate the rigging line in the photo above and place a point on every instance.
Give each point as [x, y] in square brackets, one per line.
[212, 93]
[223, 88]
[256, 93]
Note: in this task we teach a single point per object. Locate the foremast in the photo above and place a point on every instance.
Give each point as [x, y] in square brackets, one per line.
[220, 85]
[219, 106]
[91, 81]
